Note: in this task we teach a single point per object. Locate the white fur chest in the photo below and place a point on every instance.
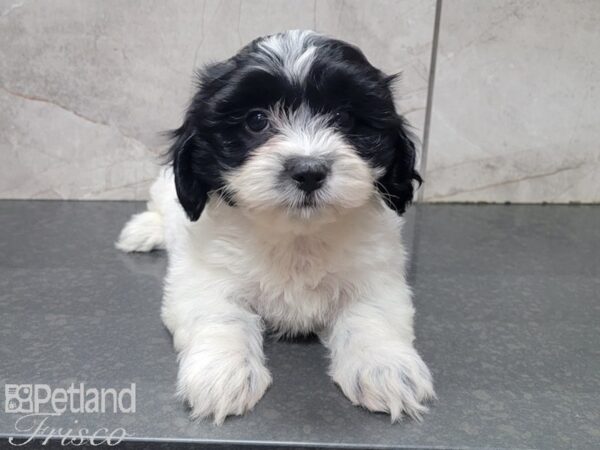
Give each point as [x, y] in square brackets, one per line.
[296, 282]
[301, 282]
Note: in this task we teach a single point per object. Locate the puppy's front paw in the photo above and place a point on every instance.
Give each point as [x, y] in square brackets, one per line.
[394, 380]
[219, 385]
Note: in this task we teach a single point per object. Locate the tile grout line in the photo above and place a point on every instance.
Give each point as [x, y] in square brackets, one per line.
[430, 89]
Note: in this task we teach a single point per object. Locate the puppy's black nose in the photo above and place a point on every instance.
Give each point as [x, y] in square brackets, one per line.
[308, 173]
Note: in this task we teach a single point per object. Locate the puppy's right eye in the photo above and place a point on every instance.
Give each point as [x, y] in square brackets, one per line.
[257, 121]
[343, 119]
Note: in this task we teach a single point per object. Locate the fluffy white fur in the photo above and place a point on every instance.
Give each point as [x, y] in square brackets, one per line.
[294, 53]
[229, 274]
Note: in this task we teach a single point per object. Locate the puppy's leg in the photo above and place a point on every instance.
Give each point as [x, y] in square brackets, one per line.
[221, 361]
[372, 356]
[142, 233]
[145, 231]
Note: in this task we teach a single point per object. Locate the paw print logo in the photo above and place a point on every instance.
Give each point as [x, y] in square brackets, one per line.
[18, 398]
[12, 405]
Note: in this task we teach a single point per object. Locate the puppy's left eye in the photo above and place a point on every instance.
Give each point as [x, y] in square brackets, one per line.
[343, 120]
[257, 121]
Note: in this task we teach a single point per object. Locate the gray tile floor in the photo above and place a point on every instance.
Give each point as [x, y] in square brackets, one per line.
[508, 307]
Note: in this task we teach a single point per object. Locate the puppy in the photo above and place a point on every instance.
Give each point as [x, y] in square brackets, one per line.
[281, 209]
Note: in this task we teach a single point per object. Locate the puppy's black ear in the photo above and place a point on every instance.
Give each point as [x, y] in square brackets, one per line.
[194, 162]
[191, 190]
[396, 185]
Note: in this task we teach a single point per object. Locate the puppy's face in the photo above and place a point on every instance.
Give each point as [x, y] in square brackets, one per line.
[296, 125]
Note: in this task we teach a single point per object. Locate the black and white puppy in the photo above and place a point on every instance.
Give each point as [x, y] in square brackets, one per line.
[281, 209]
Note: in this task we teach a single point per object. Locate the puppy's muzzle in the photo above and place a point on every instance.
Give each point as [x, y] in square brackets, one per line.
[306, 172]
